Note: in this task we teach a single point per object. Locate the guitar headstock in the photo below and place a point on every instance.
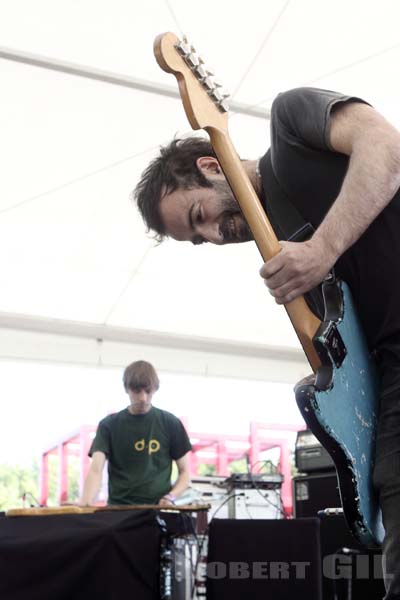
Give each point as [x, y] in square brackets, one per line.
[204, 100]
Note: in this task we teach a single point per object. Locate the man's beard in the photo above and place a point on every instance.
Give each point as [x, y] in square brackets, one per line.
[233, 225]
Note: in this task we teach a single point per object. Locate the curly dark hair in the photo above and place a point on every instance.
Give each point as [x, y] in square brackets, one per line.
[174, 168]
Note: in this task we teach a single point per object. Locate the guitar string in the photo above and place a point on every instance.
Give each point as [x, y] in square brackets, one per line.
[174, 17]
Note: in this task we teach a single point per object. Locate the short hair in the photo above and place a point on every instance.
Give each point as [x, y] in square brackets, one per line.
[174, 168]
[140, 374]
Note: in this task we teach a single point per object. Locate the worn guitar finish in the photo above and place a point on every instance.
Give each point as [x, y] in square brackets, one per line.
[341, 409]
[340, 405]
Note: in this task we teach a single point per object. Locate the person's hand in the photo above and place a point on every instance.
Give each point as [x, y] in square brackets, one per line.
[296, 269]
[167, 501]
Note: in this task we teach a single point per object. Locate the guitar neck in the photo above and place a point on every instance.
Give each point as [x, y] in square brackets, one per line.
[205, 109]
[303, 320]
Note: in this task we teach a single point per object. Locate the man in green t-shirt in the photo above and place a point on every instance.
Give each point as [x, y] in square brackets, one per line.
[140, 443]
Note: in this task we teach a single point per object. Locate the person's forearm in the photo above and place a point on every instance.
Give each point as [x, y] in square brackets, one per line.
[181, 484]
[372, 179]
[91, 488]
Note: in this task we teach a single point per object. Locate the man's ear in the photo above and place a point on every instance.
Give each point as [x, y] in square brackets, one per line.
[208, 165]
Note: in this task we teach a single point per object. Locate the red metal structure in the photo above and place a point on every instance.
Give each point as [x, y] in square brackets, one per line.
[209, 448]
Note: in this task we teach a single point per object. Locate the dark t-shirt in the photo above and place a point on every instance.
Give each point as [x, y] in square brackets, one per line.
[310, 174]
[140, 450]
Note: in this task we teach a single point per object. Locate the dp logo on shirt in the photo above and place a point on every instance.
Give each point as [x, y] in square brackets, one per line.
[153, 446]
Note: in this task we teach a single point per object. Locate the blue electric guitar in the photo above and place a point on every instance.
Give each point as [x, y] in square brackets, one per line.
[339, 402]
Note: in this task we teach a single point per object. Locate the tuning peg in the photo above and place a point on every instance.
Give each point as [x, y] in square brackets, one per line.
[219, 95]
[192, 60]
[184, 47]
[200, 71]
[208, 83]
[220, 98]
[204, 74]
[216, 95]
[224, 106]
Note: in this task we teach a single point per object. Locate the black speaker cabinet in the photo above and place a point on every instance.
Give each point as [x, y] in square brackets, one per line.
[357, 574]
[313, 458]
[264, 559]
[315, 492]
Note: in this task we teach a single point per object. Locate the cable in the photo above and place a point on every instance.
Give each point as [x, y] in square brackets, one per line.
[271, 471]
[193, 566]
[247, 509]
[256, 487]
[277, 507]
[36, 501]
[204, 537]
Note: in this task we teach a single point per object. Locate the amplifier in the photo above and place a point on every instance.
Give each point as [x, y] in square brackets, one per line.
[258, 559]
[310, 455]
[255, 504]
[315, 492]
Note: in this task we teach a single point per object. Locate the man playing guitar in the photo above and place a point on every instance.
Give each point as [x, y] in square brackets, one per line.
[337, 160]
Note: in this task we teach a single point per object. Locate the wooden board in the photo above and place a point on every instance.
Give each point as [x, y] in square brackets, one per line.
[84, 510]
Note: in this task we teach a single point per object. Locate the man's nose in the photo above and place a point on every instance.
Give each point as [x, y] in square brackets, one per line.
[211, 233]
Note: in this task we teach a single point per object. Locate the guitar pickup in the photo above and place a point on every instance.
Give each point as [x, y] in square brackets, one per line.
[333, 343]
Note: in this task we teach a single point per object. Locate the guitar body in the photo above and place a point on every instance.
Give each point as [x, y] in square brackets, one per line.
[341, 409]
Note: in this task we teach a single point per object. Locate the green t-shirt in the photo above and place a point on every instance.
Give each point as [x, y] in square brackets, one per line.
[140, 450]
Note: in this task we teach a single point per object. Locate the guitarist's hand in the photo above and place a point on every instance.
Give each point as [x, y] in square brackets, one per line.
[296, 269]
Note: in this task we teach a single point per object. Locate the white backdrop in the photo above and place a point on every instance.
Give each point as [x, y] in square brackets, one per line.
[72, 246]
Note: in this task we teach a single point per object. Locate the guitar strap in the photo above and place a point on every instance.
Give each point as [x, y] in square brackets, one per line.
[285, 218]
[287, 223]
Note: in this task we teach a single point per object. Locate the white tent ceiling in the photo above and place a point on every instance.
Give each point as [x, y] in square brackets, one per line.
[72, 246]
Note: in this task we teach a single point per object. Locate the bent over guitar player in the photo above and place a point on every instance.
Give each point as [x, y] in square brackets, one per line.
[337, 160]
